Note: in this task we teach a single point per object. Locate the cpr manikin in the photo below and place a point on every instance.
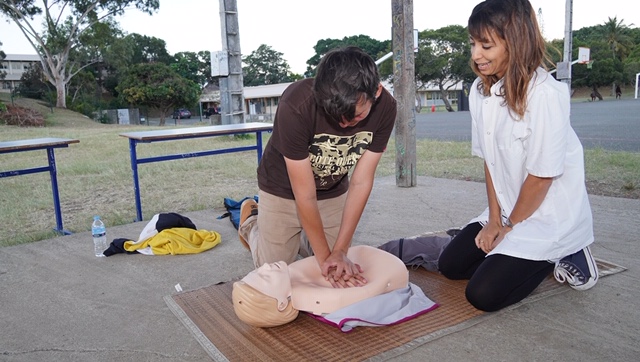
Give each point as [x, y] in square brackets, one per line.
[273, 294]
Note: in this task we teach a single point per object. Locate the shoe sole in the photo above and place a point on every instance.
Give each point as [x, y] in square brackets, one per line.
[245, 211]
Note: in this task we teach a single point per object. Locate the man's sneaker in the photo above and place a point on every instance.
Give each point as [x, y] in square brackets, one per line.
[249, 207]
[579, 270]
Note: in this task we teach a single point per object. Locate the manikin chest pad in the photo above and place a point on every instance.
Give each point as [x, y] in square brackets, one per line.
[309, 291]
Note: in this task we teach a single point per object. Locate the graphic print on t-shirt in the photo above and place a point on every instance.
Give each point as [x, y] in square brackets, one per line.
[332, 156]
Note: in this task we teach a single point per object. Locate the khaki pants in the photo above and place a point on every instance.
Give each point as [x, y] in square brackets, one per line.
[276, 234]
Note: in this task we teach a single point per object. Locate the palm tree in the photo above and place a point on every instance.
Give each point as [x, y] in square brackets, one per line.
[619, 42]
[616, 37]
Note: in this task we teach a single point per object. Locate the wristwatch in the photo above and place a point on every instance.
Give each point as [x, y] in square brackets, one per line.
[508, 223]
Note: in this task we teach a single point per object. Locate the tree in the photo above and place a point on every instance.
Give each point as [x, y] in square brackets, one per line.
[157, 86]
[33, 83]
[205, 67]
[97, 49]
[186, 64]
[3, 74]
[619, 43]
[265, 66]
[149, 49]
[615, 35]
[632, 65]
[193, 66]
[124, 52]
[64, 27]
[610, 46]
[373, 47]
[84, 85]
[443, 59]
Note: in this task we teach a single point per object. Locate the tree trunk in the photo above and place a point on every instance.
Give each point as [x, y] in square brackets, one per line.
[54, 70]
[445, 99]
[163, 116]
[61, 91]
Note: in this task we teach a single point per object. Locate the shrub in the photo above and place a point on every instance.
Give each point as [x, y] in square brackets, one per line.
[22, 117]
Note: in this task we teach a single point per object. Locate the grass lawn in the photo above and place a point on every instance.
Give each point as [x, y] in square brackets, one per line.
[94, 176]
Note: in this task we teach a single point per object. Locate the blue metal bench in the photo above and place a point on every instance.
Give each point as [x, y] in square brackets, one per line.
[48, 144]
[187, 133]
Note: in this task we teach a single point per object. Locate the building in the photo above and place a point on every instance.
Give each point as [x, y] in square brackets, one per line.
[210, 99]
[261, 102]
[15, 65]
[430, 95]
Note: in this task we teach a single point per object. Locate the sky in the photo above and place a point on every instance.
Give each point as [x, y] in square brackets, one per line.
[293, 27]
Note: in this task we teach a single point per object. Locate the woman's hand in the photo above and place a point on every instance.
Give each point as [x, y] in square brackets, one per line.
[490, 236]
[486, 239]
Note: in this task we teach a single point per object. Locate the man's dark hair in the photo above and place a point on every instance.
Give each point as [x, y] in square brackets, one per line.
[344, 76]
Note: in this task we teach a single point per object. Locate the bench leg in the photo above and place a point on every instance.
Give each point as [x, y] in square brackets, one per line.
[54, 188]
[259, 145]
[134, 171]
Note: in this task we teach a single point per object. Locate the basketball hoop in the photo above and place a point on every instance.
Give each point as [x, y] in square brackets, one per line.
[584, 55]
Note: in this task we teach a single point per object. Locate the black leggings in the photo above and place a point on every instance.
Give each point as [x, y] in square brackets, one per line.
[496, 281]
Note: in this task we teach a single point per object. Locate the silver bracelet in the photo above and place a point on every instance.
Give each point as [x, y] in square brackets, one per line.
[508, 223]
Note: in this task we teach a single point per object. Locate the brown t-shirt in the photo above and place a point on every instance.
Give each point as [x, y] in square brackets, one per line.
[303, 130]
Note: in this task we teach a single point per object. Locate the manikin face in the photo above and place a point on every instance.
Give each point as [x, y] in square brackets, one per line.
[363, 107]
[490, 55]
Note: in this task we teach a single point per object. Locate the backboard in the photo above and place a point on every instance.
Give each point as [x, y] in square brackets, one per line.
[584, 55]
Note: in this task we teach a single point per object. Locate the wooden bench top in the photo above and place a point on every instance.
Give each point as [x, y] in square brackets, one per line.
[177, 133]
[35, 143]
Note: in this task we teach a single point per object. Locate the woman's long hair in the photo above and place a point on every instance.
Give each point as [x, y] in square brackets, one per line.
[514, 22]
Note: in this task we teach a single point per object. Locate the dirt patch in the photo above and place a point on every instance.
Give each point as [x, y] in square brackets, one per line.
[613, 190]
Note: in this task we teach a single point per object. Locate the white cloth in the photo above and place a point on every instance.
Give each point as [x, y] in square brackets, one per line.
[542, 144]
[385, 309]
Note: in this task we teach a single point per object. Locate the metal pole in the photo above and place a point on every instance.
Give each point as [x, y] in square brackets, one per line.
[404, 91]
[384, 57]
[568, 39]
[231, 96]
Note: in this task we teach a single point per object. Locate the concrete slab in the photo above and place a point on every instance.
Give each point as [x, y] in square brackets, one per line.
[58, 302]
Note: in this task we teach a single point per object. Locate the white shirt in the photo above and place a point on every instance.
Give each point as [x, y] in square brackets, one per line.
[542, 144]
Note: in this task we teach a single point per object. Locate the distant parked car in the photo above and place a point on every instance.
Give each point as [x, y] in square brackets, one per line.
[181, 113]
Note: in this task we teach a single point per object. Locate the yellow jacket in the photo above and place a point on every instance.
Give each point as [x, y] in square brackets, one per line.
[175, 241]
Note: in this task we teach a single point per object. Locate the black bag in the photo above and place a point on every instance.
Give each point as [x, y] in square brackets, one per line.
[233, 209]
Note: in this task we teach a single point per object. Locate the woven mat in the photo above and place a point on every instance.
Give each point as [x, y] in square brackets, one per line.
[208, 314]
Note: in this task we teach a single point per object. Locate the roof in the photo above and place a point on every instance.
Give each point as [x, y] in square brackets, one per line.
[265, 91]
[22, 57]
